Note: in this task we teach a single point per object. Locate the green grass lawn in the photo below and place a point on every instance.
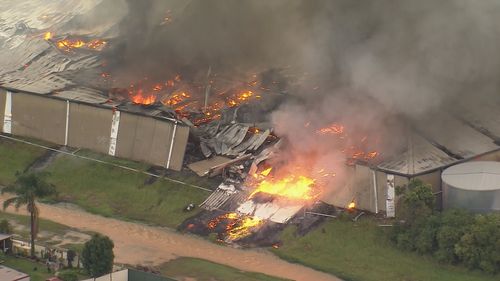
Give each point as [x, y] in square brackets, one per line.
[15, 157]
[107, 190]
[27, 266]
[353, 251]
[202, 270]
[36, 271]
[116, 192]
[360, 251]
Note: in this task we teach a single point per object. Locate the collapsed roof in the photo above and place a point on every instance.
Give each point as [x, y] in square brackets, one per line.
[32, 64]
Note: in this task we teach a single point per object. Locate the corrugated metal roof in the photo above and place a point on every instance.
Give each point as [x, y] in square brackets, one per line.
[481, 114]
[456, 136]
[419, 157]
[441, 142]
[29, 63]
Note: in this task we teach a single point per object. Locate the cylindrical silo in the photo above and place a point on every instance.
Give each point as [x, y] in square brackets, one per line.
[472, 185]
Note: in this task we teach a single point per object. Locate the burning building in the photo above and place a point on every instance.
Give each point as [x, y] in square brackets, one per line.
[137, 82]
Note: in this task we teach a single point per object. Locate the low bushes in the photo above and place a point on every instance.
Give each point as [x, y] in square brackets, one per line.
[452, 236]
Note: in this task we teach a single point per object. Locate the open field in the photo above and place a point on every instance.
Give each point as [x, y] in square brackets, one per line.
[51, 234]
[108, 190]
[181, 267]
[15, 158]
[115, 192]
[354, 251]
[140, 244]
[202, 270]
[360, 251]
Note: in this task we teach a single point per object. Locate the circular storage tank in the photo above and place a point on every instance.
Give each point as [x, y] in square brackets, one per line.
[473, 185]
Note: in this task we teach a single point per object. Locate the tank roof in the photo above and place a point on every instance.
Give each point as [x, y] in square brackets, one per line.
[474, 176]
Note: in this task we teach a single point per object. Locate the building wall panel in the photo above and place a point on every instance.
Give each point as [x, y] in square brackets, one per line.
[144, 139]
[160, 142]
[38, 117]
[382, 189]
[2, 106]
[89, 127]
[180, 143]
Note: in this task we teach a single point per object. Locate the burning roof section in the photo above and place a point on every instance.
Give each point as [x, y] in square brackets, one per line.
[43, 52]
[33, 60]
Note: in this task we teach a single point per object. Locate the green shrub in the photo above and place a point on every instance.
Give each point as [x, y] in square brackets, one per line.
[5, 227]
[68, 276]
[453, 236]
[454, 224]
[480, 246]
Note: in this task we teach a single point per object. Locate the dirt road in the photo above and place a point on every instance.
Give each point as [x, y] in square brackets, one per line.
[140, 244]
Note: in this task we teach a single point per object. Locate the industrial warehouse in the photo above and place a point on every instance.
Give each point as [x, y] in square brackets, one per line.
[246, 140]
[62, 95]
[144, 134]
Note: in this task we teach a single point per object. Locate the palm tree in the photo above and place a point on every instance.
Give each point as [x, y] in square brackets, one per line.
[27, 188]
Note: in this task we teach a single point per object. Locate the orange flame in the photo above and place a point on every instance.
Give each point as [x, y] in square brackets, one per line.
[237, 227]
[291, 187]
[266, 171]
[243, 228]
[48, 35]
[351, 205]
[177, 98]
[332, 129]
[141, 98]
[69, 44]
[240, 98]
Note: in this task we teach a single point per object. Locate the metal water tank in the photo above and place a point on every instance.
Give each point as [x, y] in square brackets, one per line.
[472, 185]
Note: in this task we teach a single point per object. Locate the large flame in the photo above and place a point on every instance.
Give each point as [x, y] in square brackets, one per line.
[295, 187]
[139, 97]
[243, 228]
[237, 226]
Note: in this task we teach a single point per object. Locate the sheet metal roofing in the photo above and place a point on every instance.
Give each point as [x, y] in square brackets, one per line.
[32, 64]
[476, 175]
[29, 63]
[430, 149]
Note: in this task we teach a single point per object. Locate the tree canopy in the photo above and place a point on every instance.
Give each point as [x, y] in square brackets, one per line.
[27, 188]
[98, 256]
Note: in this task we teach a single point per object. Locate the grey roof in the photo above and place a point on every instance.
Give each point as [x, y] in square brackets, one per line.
[419, 157]
[29, 63]
[457, 138]
[482, 114]
[4, 236]
[8, 274]
[476, 175]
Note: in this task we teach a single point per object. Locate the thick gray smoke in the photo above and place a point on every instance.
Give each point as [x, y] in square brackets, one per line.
[359, 63]
[408, 55]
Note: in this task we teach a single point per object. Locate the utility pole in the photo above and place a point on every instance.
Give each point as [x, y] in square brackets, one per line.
[207, 88]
